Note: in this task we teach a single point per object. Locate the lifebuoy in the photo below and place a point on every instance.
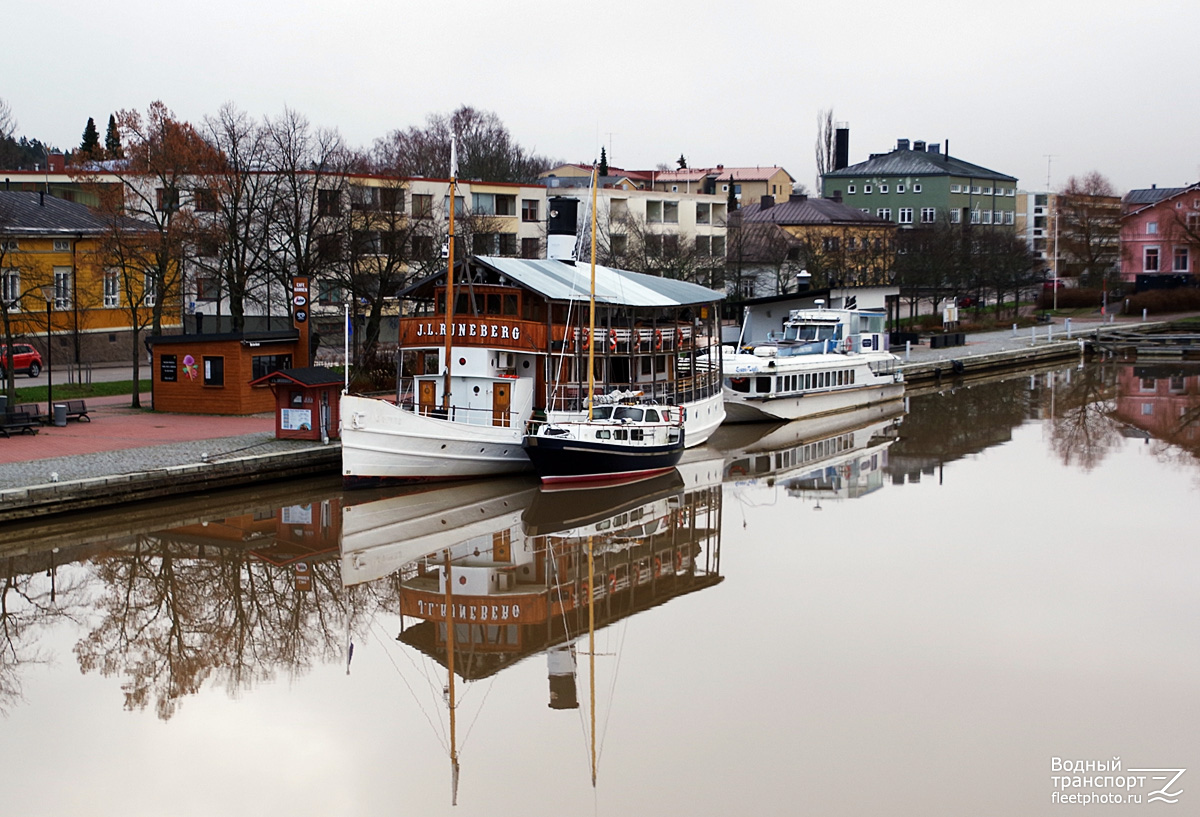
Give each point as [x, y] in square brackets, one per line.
[586, 336]
[612, 582]
[849, 344]
[846, 471]
[679, 337]
[612, 340]
[658, 340]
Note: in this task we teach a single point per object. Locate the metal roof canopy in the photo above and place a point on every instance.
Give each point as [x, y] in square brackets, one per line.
[564, 281]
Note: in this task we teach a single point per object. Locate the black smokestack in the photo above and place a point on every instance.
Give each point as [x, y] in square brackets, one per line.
[841, 148]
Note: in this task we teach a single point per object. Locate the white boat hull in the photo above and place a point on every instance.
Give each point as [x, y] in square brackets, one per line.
[742, 409]
[380, 440]
[703, 418]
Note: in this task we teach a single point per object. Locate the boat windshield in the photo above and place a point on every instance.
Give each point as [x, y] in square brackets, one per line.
[602, 412]
[808, 332]
[628, 413]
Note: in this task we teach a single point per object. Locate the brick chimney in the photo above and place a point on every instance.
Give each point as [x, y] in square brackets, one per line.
[767, 202]
[58, 163]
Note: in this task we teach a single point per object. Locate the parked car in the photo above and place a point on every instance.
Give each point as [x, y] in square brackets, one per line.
[22, 358]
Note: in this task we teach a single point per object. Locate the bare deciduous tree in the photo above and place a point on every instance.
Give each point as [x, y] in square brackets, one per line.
[825, 146]
[1088, 227]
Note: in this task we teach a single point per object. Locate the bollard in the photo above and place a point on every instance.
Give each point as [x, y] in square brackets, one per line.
[1143, 315]
[907, 350]
[1032, 335]
[1068, 322]
[1050, 332]
[1014, 330]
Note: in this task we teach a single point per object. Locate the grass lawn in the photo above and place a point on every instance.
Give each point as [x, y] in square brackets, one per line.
[74, 391]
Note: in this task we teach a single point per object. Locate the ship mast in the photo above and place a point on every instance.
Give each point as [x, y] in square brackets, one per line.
[450, 277]
[592, 318]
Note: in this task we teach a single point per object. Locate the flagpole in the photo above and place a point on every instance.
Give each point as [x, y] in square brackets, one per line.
[450, 277]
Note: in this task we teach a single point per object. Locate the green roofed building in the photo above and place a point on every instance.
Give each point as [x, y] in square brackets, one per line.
[920, 184]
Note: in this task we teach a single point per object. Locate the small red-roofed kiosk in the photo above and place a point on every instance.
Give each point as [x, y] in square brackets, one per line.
[306, 402]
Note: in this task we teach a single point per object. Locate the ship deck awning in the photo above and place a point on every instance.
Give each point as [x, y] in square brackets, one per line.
[566, 281]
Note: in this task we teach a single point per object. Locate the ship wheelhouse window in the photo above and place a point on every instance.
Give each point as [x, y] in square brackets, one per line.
[762, 385]
[652, 416]
[602, 412]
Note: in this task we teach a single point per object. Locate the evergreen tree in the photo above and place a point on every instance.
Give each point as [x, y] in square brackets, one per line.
[682, 162]
[733, 202]
[603, 162]
[112, 139]
[90, 145]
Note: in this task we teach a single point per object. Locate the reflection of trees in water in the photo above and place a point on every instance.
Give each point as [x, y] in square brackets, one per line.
[174, 615]
[28, 604]
[947, 425]
[1080, 406]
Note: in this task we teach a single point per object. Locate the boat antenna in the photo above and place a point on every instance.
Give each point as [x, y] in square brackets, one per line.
[450, 275]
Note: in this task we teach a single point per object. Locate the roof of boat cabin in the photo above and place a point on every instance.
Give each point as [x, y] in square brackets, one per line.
[566, 281]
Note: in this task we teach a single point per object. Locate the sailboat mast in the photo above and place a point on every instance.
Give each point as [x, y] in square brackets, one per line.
[450, 276]
[592, 305]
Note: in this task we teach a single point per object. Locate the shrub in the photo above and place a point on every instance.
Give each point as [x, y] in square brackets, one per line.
[1160, 301]
[1075, 298]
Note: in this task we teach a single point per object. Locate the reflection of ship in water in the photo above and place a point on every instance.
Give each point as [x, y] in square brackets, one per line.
[840, 457]
[518, 562]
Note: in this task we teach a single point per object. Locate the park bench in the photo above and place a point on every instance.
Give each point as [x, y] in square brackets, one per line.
[77, 409]
[20, 421]
[32, 409]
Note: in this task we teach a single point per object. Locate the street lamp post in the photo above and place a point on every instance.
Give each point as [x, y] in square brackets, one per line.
[49, 293]
[1056, 260]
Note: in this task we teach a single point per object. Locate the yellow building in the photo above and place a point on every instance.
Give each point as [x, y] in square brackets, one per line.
[57, 263]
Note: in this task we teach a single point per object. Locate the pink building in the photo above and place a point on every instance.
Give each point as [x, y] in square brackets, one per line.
[1160, 232]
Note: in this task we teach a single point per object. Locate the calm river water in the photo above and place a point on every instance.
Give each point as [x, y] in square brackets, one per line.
[938, 607]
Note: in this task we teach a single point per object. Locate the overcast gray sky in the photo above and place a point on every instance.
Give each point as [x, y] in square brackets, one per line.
[1095, 85]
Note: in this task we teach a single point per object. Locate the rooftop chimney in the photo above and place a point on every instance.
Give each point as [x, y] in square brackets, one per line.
[767, 202]
[797, 197]
[919, 146]
[935, 148]
[841, 148]
[901, 144]
[837, 196]
[58, 163]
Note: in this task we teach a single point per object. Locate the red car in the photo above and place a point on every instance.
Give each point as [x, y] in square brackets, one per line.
[23, 358]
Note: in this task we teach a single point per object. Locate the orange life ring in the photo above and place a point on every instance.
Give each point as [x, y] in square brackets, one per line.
[612, 340]
[658, 340]
[612, 582]
[679, 337]
[849, 344]
[586, 336]
[846, 471]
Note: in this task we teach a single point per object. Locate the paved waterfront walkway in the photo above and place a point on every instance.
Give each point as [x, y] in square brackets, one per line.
[123, 440]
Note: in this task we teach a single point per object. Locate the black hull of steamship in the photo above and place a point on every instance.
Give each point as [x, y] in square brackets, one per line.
[565, 463]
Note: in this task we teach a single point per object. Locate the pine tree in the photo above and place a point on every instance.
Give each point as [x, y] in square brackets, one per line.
[112, 140]
[603, 162]
[733, 201]
[682, 162]
[90, 145]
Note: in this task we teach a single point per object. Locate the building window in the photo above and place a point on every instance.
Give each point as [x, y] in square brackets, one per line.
[483, 243]
[654, 212]
[1181, 259]
[619, 243]
[112, 288]
[671, 212]
[674, 188]
[955, 215]
[905, 214]
[508, 244]
[899, 188]
[703, 245]
[391, 199]
[328, 293]
[530, 248]
[916, 188]
[884, 212]
[703, 213]
[866, 188]
[956, 188]
[214, 371]
[1009, 217]
[883, 188]
[166, 200]
[718, 246]
[975, 190]
[422, 205]
[529, 209]
[328, 202]
[928, 215]
[987, 216]
[987, 191]
[149, 290]
[62, 245]
[850, 190]
[363, 197]
[976, 217]
[204, 200]
[11, 283]
[207, 288]
[506, 205]
[1150, 260]
[459, 205]
[62, 287]
[1151, 228]
[263, 365]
